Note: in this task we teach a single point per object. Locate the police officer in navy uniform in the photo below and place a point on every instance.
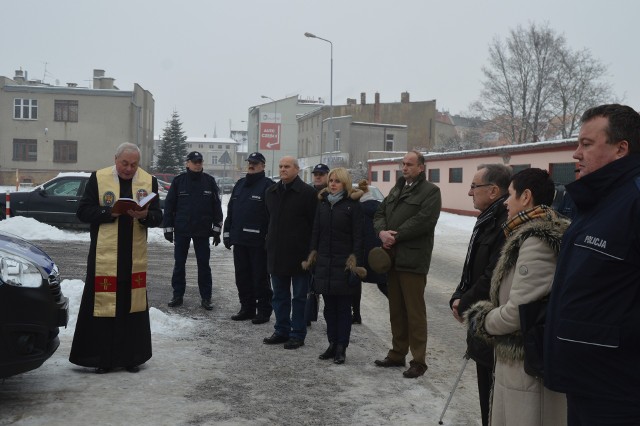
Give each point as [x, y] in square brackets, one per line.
[192, 211]
[245, 228]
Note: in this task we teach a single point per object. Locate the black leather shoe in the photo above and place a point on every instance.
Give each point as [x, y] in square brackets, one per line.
[176, 301]
[340, 354]
[293, 343]
[206, 303]
[329, 353]
[275, 339]
[243, 315]
[102, 370]
[132, 368]
[387, 362]
[356, 319]
[415, 370]
[260, 319]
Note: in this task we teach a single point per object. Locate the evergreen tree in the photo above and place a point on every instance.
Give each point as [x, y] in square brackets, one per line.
[173, 149]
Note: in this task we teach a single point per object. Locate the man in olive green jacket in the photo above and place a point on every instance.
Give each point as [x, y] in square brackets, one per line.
[405, 222]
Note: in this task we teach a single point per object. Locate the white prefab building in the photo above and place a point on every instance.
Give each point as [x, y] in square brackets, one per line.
[453, 171]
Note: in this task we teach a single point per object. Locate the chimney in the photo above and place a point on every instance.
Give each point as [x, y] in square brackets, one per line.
[404, 97]
[376, 109]
[97, 75]
[363, 98]
[106, 82]
[351, 101]
[20, 77]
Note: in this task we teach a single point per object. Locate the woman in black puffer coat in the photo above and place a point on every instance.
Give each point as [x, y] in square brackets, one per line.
[336, 250]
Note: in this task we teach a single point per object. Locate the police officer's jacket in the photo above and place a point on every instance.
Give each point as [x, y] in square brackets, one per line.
[247, 218]
[192, 207]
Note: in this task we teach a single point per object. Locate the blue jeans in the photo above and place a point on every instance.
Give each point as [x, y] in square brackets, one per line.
[203, 253]
[289, 311]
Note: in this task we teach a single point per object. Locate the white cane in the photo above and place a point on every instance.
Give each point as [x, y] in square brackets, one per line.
[455, 385]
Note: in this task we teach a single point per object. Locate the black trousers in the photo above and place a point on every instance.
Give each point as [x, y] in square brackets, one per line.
[485, 383]
[585, 411]
[252, 279]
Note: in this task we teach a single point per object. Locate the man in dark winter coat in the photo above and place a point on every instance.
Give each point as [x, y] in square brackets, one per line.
[320, 174]
[291, 205]
[592, 333]
[489, 189]
[192, 211]
[405, 222]
[245, 228]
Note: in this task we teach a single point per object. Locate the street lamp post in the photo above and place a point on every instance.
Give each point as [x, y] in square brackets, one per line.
[330, 94]
[275, 118]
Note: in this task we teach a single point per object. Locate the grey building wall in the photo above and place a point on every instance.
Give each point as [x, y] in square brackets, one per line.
[106, 118]
[288, 109]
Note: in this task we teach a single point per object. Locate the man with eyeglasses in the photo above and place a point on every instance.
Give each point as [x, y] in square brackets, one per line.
[192, 211]
[489, 190]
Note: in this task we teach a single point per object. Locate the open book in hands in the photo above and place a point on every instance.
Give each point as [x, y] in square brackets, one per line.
[125, 204]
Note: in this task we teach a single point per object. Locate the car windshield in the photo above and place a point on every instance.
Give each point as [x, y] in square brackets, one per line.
[63, 187]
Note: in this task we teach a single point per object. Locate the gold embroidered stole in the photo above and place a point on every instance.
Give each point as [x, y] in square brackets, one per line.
[105, 283]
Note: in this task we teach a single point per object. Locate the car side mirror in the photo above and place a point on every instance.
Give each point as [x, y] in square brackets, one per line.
[42, 192]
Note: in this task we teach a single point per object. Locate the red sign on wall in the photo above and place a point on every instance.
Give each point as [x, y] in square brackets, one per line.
[269, 136]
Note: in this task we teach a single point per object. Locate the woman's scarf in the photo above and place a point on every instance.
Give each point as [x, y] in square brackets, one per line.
[334, 198]
[536, 212]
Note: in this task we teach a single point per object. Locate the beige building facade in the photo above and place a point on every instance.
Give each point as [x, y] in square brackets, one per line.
[453, 171]
[47, 129]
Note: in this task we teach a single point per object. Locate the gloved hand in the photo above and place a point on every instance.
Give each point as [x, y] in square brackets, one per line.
[216, 238]
[168, 236]
[227, 243]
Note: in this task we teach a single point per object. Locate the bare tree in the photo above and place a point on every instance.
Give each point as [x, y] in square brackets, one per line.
[577, 86]
[533, 80]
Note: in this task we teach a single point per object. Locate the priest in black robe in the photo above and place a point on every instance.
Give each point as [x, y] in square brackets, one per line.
[113, 329]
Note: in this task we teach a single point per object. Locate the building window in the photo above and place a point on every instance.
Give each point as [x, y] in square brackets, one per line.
[398, 174]
[214, 159]
[219, 146]
[65, 151]
[25, 109]
[386, 175]
[434, 175]
[519, 167]
[455, 175]
[563, 173]
[388, 143]
[227, 146]
[336, 144]
[25, 150]
[65, 111]
[374, 176]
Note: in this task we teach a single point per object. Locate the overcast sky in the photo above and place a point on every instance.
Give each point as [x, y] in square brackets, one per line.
[211, 60]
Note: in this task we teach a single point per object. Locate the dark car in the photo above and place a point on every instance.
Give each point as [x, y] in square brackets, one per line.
[32, 306]
[54, 202]
[225, 184]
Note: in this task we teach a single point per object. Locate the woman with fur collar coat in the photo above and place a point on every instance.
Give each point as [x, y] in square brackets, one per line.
[336, 252]
[524, 273]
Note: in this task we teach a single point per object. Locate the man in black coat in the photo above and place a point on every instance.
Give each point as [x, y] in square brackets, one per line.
[245, 228]
[489, 189]
[291, 205]
[192, 211]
